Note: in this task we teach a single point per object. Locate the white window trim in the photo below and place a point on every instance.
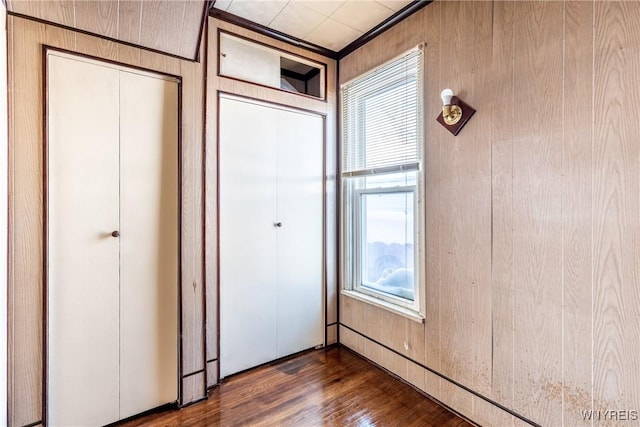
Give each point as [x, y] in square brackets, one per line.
[358, 281]
[350, 259]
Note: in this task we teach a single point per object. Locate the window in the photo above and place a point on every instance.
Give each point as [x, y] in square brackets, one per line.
[382, 183]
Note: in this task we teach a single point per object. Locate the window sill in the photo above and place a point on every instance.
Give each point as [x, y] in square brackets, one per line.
[402, 311]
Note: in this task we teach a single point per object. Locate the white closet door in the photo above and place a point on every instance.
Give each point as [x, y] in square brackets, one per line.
[148, 242]
[299, 248]
[83, 256]
[247, 235]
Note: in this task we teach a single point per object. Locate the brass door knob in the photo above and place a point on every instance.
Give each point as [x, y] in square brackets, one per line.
[116, 233]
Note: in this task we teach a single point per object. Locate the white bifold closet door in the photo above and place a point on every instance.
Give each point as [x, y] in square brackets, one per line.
[271, 232]
[112, 152]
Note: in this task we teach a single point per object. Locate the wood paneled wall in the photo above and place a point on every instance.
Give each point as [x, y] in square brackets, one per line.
[171, 26]
[533, 230]
[216, 84]
[3, 211]
[26, 39]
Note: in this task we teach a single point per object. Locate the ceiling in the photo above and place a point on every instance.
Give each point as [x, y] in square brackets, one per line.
[332, 24]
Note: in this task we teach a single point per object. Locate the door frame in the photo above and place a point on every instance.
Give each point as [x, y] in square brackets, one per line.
[243, 98]
[46, 50]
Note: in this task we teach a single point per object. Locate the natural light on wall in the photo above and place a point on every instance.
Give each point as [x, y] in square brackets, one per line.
[382, 134]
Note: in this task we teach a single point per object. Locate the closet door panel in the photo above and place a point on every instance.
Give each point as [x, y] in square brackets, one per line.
[299, 249]
[247, 235]
[148, 242]
[83, 256]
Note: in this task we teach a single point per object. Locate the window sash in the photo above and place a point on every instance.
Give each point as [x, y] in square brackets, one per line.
[395, 91]
[360, 251]
[408, 167]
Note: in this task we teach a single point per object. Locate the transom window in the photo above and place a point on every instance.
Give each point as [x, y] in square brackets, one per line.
[382, 182]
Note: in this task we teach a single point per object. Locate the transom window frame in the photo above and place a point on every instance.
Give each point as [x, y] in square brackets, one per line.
[353, 185]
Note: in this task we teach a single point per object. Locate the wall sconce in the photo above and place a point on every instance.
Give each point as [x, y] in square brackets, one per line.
[455, 113]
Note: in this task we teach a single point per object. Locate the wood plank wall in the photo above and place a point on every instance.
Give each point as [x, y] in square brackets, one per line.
[217, 84]
[171, 26]
[533, 231]
[26, 39]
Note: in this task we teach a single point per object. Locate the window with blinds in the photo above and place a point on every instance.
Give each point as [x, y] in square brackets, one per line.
[382, 121]
[382, 118]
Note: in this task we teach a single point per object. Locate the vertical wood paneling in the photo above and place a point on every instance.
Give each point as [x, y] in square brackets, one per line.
[168, 26]
[414, 30]
[537, 184]
[609, 210]
[60, 11]
[502, 296]
[389, 47]
[331, 202]
[456, 208]
[26, 200]
[129, 21]
[553, 83]
[631, 267]
[128, 54]
[212, 373]
[154, 61]
[97, 16]
[25, 223]
[211, 205]
[576, 211]
[372, 322]
[156, 18]
[193, 15]
[99, 48]
[58, 37]
[192, 221]
[193, 388]
[332, 334]
[480, 202]
[393, 328]
[615, 208]
[432, 325]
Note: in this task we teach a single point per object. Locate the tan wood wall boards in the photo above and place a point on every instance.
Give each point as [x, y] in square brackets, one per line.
[170, 26]
[533, 291]
[26, 41]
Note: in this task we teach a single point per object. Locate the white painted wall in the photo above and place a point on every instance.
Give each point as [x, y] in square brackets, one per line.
[3, 216]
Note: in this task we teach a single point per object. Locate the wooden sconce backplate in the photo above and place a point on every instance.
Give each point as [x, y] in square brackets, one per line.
[467, 112]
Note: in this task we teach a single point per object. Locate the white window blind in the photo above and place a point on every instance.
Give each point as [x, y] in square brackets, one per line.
[382, 118]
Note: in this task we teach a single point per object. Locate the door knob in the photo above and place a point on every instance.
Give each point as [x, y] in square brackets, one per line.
[116, 233]
[278, 224]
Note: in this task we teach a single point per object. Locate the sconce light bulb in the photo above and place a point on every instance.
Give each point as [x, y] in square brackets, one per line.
[446, 96]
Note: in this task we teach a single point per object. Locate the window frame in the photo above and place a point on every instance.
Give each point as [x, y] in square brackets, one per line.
[360, 249]
[353, 186]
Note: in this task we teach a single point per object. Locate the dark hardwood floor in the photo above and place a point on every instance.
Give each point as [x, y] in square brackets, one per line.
[332, 387]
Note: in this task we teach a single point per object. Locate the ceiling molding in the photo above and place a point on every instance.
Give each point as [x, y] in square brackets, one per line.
[397, 17]
[261, 29]
[403, 13]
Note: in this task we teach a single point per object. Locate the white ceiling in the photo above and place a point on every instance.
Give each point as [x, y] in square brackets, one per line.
[332, 24]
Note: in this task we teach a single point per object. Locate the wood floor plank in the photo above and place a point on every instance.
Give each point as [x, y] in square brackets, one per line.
[322, 387]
